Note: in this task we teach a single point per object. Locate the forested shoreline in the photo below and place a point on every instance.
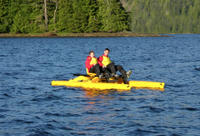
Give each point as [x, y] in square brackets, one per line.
[99, 16]
[164, 16]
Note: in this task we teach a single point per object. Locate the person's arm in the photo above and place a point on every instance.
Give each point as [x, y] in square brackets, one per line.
[100, 59]
[87, 63]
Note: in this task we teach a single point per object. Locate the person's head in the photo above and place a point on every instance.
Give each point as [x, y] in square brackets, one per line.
[91, 54]
[106, 51]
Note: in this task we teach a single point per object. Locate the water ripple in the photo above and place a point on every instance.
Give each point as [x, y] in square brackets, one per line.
[30, 106]
[62, 114]
[153, 109]
[46, 98]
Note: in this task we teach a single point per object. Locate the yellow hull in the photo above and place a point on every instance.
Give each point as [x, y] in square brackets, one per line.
[95, 83]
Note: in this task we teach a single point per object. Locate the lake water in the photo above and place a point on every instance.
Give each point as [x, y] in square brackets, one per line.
[30, 106]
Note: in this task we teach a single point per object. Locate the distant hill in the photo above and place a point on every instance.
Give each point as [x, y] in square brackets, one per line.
[163, 16]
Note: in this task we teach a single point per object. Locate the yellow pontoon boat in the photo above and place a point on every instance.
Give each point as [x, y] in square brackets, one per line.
[88, 82]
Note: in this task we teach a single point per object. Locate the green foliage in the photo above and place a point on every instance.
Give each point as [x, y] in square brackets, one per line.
[113, 16]
[164, 16]
[91, 16]
[19, 16]
[79, 16]
[4, 21]
[93, 21]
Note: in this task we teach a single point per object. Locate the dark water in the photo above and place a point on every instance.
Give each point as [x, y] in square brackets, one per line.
[30, 106]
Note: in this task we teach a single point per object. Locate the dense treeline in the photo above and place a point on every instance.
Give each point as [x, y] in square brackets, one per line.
[164, 16]
[21, 16]
[77, 16]
[35, 16]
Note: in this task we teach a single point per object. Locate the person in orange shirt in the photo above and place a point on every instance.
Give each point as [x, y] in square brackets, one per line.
[92, 65]
[109, 67]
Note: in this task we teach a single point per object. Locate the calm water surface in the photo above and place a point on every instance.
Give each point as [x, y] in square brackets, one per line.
[30, 106]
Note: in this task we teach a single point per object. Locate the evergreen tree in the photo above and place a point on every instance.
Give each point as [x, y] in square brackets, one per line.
[52, 7]
[80, 15]
[112, 15]
[4, 18]
[93, 21]
[28, 18]
[65, 16]
[165, 16]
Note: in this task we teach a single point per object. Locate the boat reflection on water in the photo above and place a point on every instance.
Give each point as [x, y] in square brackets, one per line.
[90, 93]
